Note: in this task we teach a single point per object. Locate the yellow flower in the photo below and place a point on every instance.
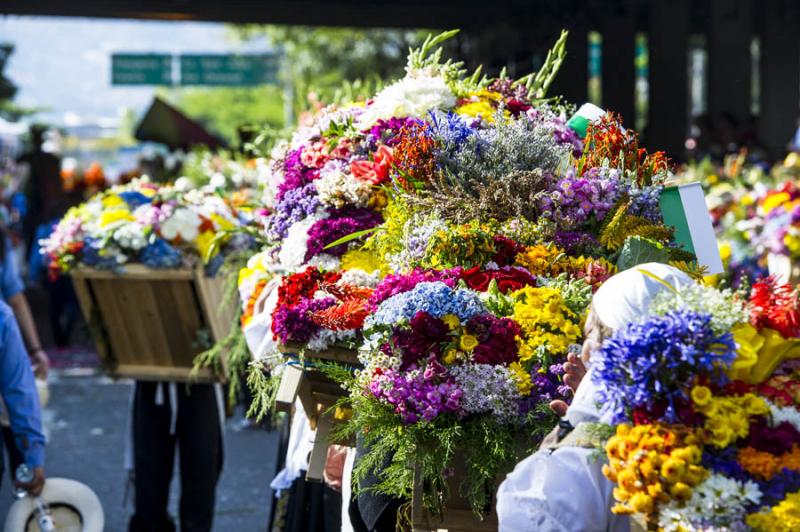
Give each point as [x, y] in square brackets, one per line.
[774, 200]
[521, 378]
[701, 395]
[681, 491]
[452, 321]
[112, 201]
[450, 356]
[203, 243]
[673, 469]
[642, 503]
[467, 342]
[117, 215]
[366, 261]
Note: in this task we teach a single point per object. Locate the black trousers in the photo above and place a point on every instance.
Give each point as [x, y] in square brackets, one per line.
[198, 438]
[15, 457]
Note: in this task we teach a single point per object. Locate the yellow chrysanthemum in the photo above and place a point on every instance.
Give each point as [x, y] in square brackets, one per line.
[115, 216]
[366, 261]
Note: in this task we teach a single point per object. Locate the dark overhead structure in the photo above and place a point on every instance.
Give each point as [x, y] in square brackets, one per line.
[758, 90]
[166, 125]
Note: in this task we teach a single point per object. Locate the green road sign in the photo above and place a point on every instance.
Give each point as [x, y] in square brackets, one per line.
[227, 69]
[141, 69]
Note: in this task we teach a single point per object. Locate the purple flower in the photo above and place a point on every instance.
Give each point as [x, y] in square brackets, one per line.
[340, 223]
[417, 395]
[294, 324]
[295, 205]
[295, 174]
[394, 284]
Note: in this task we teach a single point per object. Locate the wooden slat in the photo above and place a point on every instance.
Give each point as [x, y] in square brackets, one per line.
[153, 322]
[89, 307]
[162, 373]
[189, 320]
[289, 388]
[335, 354]
[135, 271]
[179, 346]
[125, 348]
[319, 452]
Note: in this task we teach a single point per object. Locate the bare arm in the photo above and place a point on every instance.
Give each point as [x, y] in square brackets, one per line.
[22, 311]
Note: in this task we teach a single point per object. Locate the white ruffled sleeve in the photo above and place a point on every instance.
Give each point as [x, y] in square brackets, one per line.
[562, 491]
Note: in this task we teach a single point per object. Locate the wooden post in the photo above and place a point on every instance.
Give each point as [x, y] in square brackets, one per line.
[668, 114]
[319, 453]
[780, 75]
[619, 73]
[729, 63]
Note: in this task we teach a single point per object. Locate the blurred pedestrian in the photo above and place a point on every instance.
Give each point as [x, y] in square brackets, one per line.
[21, 398]
[42, 186]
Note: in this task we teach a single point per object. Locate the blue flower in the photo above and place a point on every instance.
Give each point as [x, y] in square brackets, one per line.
[436, 298]
[650, 365]
[134, 199]
[160, 254]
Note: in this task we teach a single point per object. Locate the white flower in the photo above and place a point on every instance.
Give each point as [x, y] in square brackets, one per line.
[411, 96]
[784, 414]
[217, 180]
[326, 338]
[293, 248]
[361, 278]
[131, 236]
[337, 187]
[326, 262]
[183, 223]
[718, 503]
[183, 184]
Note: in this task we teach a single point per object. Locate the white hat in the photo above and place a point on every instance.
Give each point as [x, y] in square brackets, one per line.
[71, 502]
[626, 296]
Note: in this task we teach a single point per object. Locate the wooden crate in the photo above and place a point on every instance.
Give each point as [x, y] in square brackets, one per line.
[146, 322]
[457, 515]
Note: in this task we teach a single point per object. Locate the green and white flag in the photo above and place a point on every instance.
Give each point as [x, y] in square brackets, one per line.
[684, 208]
[587, 114]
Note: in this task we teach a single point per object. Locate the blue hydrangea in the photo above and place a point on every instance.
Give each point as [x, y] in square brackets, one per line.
[437, 299]
[649, 365]
[160, 254]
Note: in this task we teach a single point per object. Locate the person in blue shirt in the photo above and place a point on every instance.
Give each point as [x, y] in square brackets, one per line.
[18, 390]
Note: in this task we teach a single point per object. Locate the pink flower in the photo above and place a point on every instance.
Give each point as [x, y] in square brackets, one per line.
[376, 171]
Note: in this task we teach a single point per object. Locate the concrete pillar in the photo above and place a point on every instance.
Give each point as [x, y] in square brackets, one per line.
[668, 113]
[619, 75]
[572, 80]
[780, 75]
[730, 32]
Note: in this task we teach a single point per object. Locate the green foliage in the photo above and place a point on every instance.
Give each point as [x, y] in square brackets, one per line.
[639, 250]
[264, 387]
[319, 60]
[478, 448]
[224, 109]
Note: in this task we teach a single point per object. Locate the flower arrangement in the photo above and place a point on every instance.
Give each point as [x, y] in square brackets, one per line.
[701, 394]
[143, 222]
[452, 231]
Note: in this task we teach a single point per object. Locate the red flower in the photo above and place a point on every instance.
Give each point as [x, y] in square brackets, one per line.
[476, 279]
[508, 279]
[775, 306]
[376, 171]
[507, 250]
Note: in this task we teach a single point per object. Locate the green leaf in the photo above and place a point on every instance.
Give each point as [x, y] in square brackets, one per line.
[351, 237]
[637, 250]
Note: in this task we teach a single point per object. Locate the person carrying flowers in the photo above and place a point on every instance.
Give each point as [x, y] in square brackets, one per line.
[562, 487]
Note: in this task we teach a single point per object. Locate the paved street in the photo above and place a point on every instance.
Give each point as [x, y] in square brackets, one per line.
[87, 425]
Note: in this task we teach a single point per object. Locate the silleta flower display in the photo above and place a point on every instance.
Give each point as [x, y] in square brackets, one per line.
[451, 231]
[700, 392]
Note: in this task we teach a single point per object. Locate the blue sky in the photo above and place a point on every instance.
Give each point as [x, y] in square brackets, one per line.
[64, 63]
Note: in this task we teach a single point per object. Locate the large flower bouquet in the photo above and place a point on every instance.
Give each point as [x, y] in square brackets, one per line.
[142, 222]
[703, 396]
[451, 230]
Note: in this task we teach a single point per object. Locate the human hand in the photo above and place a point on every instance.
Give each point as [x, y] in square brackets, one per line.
[574, 372]
[36, 485]
[40, 363]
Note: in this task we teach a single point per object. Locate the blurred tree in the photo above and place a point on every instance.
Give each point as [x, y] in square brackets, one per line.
[7, 88]
[320, 60]
[224, 109]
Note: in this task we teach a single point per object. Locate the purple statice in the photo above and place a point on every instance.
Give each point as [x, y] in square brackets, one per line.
[644, 202]
[294, 324]
[339, 223]
[295, 173]
[394, 284]
[644, 368]
[385, 131]
[160, 254]
[546, 386]
[580, 201]
[418, 394]
[295, 205]
[577, 243]
[487, 388]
